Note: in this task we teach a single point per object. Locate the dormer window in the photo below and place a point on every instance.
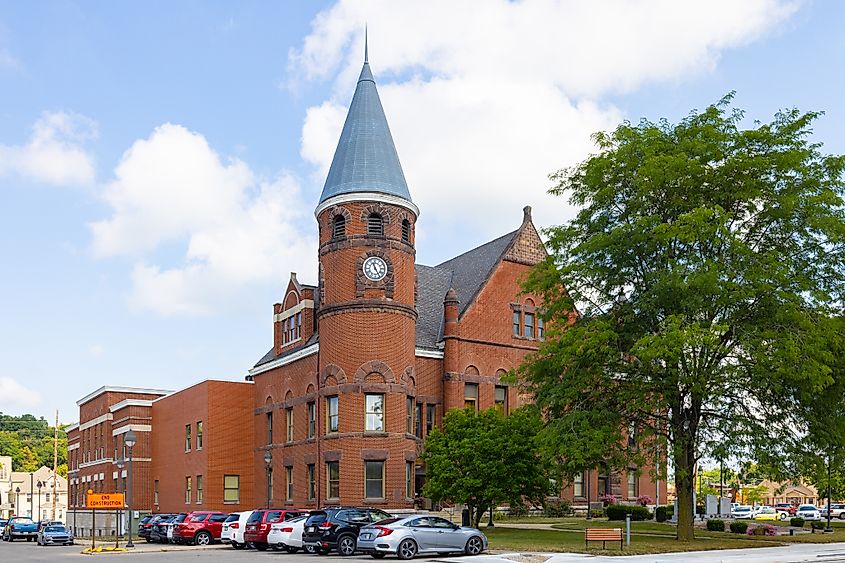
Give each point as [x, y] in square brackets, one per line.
[406, 230]
[375, 224]
[339, 226]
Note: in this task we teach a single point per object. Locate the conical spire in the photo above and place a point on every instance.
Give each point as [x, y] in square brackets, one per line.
[365, 160]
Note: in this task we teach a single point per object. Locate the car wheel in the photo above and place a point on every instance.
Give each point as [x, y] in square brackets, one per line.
[783, 515]
[29, 539]
[202, 538]
[260, 546]
[149, 540]
[474, 546]
[291, 550]
[237, 545]
[346, 545]
[407, 549]
[377, 555]
[310, 549]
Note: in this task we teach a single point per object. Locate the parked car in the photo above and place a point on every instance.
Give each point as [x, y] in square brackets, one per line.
[837, 510]
[786, 507]
[200, 528]
[20, 527]
[769, 513]
[158, 531]
[145, 526]
[742, 512]
[2, 526]
[55, 534]
[259, 522]
[232, 531]
[411, 535]
[337, 528]
[808, 512]
[172, 525]
[287, 535]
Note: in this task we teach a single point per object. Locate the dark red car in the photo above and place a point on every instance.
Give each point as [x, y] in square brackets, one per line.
[258, 524]
[790, 509]
[200, 528]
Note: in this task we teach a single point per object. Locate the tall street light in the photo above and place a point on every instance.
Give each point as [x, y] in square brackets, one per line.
[17, 501]
[828, 529]
[39, 485]
[268, 461]
[120, 464]
[129, 440]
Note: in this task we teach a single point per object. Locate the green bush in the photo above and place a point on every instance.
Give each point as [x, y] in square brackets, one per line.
[796, 522]
[660, 514]
[816, 525]
[670, 511]
[739, 527]
[597, 513]
[700, 510]
[517, 510]
[716, 525]
[557, 508]
[619, 511]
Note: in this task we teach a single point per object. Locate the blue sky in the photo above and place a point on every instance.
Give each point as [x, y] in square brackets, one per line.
[160, 162]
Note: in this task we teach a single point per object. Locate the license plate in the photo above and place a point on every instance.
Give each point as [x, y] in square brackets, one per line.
[311, 528]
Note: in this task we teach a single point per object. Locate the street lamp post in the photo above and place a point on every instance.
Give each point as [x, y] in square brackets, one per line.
[268, 461]
[589, 508]
[129, 440]
[119, 534]
[17, 501]
[828, 529]
[39, 485]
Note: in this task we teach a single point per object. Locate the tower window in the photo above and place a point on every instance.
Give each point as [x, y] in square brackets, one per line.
[339, 226]
[375, 224]
[406, 230]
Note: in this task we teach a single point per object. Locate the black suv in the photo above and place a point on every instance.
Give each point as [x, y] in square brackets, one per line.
[145, 526]
[337, 528]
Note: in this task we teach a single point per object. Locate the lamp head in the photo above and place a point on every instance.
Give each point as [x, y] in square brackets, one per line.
[17, 489]
[268, 457]
[130, 440]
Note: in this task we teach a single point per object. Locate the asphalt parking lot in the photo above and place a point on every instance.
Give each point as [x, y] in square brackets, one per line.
[23, 551]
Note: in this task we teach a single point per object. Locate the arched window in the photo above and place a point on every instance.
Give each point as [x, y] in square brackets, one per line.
[375, 224]
[406, 230]
[339, 226]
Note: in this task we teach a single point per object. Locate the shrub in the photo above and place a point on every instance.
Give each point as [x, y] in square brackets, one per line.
[796, 522]
[609, 499]
[700, 510]
[817, 525]
[716, 525]
[762, 530]
[557, 508]
[619, 511]
[644, 500]
[739, 527]
[597, 513]
[670, 510]
[660, 514]
[517, 510]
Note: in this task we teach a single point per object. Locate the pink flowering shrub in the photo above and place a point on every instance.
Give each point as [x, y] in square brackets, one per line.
[609, 499]
[762, 530]
[644, 500]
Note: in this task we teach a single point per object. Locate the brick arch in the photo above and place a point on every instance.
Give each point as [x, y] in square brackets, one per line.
[334, 372]
[309, 389]
[336, 210]
[287, 304]
[376, 208]
[374, 366]
[409, 378]
[288, 395]
[471, 370]
[268, 400]
[528, 302]
[501, 372]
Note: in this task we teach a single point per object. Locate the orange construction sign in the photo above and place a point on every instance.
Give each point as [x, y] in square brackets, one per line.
[110, 500]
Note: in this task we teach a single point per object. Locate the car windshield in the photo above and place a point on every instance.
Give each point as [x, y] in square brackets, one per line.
[316, 517]
[807, 507]
[24, 521]
[255, 517]
[180, 518]
[232, 517]
[55, 529]
[198, 518]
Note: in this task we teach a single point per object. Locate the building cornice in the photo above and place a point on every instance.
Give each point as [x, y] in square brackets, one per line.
[111, 389]
[423, 353]
[130, 403]
[367, 196]
[285, 360]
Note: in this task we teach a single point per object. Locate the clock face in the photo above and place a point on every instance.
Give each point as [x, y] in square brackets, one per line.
[374, 268]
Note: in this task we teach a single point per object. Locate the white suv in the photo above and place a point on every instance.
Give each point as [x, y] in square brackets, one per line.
[808, 512]
[234, 528]
[837, 510]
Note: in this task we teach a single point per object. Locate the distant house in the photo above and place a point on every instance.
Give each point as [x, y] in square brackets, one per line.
[793, 493]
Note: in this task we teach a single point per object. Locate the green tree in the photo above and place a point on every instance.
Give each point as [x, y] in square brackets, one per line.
[483, 459]
[702, 258]
[29, 442]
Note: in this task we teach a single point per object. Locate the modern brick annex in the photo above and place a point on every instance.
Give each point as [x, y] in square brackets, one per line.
[363, 364]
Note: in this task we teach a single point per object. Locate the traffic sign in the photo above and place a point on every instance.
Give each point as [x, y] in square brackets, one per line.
[110, 500]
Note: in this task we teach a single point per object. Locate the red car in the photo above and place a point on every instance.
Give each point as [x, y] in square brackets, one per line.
[200, 528]
[786, 507]
[258, 524]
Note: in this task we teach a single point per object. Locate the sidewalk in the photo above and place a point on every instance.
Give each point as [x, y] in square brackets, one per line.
[144, 547]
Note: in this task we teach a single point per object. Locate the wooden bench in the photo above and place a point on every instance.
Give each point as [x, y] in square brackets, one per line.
[603, 535]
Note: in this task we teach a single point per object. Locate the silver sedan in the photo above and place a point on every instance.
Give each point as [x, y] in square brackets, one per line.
[410, 535]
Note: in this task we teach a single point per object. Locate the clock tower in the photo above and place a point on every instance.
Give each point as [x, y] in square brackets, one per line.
[367, 311]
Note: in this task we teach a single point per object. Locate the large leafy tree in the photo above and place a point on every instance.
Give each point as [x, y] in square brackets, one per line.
[702, 259]
[483, 459]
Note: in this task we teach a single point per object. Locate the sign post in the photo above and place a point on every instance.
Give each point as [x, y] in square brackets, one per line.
[101, 501]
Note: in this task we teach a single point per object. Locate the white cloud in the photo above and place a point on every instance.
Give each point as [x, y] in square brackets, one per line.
[13, 394]
[54, 153]
[486, 98]
[174, 188]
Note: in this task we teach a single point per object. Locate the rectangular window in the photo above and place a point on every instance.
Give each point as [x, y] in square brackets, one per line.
[299, 325]
[418, 423]
[578, 485]
[516, 323]
[430, 413]
[269, 427]
[187, 437]
[602, 483]
[199, 435]
[155, 491]
[285, 331]
[333, 479]
[374, 421]
[332, 416]
[409, 479]
[541, 333]
[288, 483]
[471, 396]
[231, 489]
[529, 326]
[409, 415]
[633, 491]
[199, 489]
[289, 423]
[374, 479]
[312, 482]
[502, 399]
[187, 490]
[312, 419]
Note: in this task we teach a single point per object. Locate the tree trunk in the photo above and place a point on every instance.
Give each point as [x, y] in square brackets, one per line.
[684, 489]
